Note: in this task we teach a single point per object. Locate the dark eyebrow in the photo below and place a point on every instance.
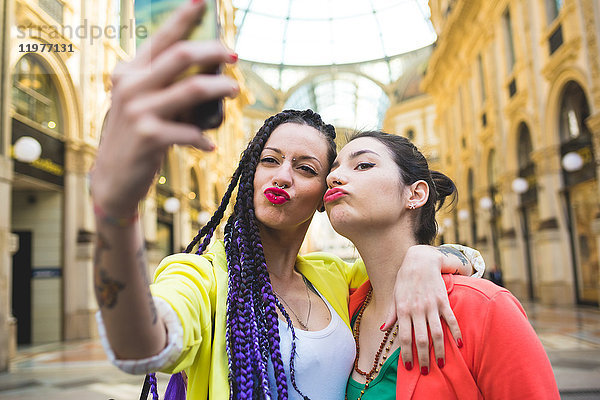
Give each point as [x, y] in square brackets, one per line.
[357, 153]
[276, 150]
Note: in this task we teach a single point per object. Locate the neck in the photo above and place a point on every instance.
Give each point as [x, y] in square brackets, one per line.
[383, 251]
[281, 249]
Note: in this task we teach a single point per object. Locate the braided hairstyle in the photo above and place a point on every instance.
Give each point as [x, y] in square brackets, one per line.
[413, 167]
[252, 331]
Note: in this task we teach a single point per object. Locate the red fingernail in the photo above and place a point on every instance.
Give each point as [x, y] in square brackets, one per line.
[408, 365]
[381, 327]
[441, 362]
[424, 370]
[459, 343]
[233, 57]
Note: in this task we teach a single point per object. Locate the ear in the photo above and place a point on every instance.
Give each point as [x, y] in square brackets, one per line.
[419, 193]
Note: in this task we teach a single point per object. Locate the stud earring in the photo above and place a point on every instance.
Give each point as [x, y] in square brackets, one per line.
[411, 206]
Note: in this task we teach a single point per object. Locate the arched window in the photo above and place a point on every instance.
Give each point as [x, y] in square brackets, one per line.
[574, 111]
[525, 147]
[35, 94]
[410, 134]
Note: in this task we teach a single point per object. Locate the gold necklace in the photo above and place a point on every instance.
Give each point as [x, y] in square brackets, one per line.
[369, 376]
[303, 324]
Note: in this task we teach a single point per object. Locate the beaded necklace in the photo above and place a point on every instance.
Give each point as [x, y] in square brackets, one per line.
[369, 376]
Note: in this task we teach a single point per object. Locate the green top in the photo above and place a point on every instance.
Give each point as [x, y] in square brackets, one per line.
[383, 387]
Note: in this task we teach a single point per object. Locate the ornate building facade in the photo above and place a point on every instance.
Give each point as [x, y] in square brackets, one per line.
[57, 57]
[516, 86]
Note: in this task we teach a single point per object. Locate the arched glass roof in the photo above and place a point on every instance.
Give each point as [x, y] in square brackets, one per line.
[345, 59]
[327, 32]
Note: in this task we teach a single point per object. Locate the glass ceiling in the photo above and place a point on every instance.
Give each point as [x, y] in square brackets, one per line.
[336, 57]
[326, 32]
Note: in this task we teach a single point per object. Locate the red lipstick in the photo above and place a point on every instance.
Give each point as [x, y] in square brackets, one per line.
[334, 194]
[276, 195]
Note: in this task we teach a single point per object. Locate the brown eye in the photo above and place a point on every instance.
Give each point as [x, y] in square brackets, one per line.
[308, 169]
[270, 160]
[364, 165]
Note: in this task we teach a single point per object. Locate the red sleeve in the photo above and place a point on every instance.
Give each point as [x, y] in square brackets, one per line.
[511, 362]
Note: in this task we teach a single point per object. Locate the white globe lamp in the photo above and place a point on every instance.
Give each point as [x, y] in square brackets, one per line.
[172, 205]
[27, 149]
[520, 185]
[572, 162]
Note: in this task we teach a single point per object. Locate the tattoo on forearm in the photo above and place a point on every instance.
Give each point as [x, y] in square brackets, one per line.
[101, 246]
[107, 289]
[141, 259]
[449, 250]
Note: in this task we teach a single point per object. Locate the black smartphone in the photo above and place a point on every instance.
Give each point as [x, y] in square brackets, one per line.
[151, 14]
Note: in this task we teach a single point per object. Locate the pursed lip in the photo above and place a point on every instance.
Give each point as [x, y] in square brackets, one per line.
[334, 194]
[276, 195]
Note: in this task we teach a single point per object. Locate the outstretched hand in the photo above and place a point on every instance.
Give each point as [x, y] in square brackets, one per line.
[420, 301]
[146, 97]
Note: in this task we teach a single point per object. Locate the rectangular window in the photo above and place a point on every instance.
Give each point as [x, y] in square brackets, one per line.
[481, 78]
[555, 40]
[553, 9]
[508, 42]
[54, 8]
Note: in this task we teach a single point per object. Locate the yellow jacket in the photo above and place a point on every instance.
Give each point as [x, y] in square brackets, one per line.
[196, 288]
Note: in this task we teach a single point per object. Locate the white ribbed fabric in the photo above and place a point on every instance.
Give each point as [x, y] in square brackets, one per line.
[166, 357]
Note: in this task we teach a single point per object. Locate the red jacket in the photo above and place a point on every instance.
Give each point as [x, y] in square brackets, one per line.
[502, 357]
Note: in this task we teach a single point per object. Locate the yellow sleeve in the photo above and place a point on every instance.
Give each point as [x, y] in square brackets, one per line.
[187, 282]
[355, 274]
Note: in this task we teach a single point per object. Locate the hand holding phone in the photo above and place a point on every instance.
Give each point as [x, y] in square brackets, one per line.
[146, 101]
[152, 14]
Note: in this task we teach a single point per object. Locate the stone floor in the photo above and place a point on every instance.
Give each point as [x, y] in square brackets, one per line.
[79, 370]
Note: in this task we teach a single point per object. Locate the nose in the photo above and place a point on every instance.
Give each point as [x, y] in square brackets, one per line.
[283, 176]
[334, 179]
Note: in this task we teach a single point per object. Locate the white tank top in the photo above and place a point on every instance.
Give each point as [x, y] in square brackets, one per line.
[323, 362]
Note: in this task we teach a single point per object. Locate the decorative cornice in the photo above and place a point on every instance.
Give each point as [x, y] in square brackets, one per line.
[565, 54]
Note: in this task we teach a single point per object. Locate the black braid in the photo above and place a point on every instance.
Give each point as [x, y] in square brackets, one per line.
[252, 329]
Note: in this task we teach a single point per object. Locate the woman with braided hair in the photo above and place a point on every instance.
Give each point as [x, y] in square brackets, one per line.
[216, 314]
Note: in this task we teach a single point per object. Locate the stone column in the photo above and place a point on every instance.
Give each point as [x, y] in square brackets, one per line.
[593, 123]
[7, 323]
[552, 252]
[78, 289]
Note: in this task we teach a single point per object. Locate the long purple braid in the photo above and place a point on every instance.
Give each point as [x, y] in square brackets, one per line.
[252, 329]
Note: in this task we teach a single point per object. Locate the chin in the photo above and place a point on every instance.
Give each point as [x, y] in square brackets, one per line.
[341, 221]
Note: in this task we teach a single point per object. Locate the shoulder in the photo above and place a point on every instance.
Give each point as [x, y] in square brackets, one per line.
[479, 296]
[323, 260]
[475, 287]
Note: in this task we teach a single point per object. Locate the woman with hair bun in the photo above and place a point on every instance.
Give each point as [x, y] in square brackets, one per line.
[246, 317]
[383, 197]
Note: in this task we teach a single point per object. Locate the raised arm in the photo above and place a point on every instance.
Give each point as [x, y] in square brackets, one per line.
[139, 129]
[421, 299]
